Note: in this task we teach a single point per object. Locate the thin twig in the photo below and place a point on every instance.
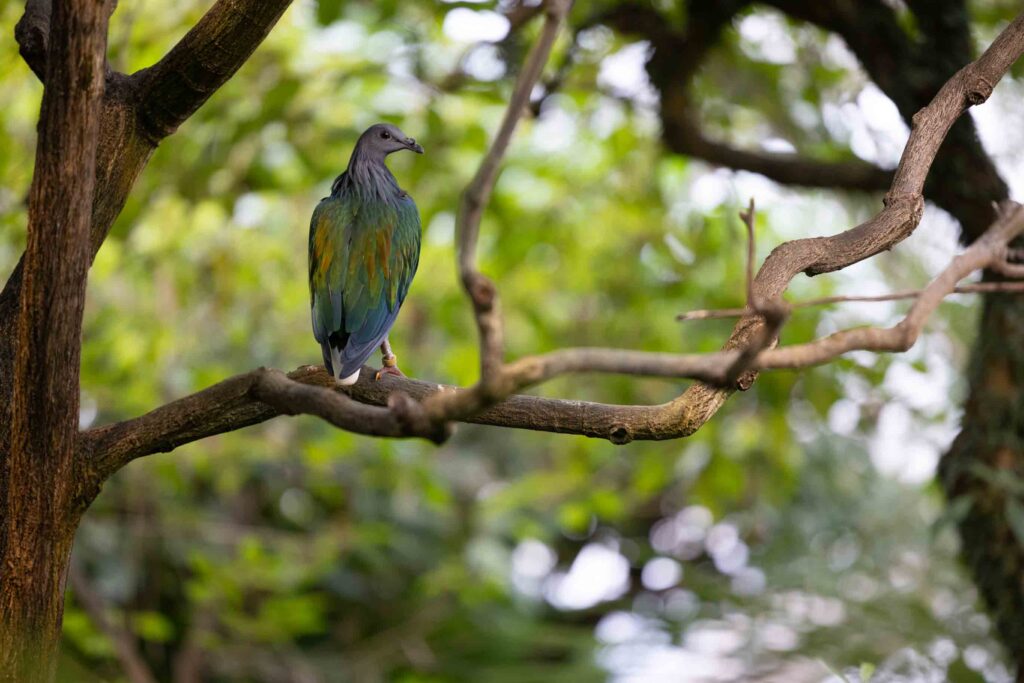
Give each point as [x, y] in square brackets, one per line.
[973, 288]
[747, 216]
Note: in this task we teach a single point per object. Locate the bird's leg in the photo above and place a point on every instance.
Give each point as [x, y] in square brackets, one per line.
[390, 361]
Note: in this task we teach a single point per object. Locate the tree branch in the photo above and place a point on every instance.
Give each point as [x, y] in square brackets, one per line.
[481, 290]
[210, 53]
[684, 136]
[973, 288]
[676, 58]
[903, 204]
[135, 668]
[244, 400]
[262, 394]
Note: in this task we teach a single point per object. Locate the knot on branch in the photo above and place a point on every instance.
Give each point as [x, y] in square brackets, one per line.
[979, 91]
[910, 204]
[746, 380]
[482, 291]
[620, 434]
[413, 419]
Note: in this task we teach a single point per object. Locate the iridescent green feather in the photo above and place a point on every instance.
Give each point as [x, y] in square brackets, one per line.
[363, 254]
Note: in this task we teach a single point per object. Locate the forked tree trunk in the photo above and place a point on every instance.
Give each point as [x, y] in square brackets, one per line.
[97, 130]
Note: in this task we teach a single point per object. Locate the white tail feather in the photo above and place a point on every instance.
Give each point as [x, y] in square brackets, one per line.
[336, 362]
[350, 380]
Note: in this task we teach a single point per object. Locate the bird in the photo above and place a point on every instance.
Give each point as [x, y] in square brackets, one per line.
[364, 248]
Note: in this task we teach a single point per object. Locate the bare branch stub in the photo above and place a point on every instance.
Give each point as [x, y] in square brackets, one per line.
[686, 137]
[32, 32]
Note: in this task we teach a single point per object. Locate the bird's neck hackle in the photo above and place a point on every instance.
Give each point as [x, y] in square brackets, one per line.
[369, 177]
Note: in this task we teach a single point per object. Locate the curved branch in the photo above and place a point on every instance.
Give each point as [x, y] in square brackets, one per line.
[482, 292]
[210, 53]
[904, 203]
[676, 58]
[245, 400]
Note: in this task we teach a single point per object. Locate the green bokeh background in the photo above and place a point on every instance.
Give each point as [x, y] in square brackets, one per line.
[291, 551]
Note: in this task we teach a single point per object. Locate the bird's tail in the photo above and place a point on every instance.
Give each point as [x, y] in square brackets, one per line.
[334, 365]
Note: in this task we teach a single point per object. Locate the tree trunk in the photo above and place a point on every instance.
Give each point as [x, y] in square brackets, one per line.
[42, 493]
[985, 466]
[97, 130]
[32, 596]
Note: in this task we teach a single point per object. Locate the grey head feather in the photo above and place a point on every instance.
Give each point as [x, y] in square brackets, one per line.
[367, 173]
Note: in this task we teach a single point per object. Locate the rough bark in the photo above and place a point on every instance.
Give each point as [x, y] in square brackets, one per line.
[40, 496]
[985, 461]
[97, 131]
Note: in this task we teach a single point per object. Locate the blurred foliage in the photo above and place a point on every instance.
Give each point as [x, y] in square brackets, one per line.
[798, 529]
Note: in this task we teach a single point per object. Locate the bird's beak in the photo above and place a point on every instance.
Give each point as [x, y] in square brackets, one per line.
[411, 144]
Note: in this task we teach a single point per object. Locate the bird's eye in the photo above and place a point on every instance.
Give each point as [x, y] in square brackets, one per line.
[386, 135]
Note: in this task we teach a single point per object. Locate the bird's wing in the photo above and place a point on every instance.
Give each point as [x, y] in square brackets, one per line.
[327, 237]
[405, 254]
[363, 256]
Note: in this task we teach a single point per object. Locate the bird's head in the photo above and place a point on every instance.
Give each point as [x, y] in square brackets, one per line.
[382, 139]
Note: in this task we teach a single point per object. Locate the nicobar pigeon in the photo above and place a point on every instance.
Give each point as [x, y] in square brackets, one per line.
[364, 247]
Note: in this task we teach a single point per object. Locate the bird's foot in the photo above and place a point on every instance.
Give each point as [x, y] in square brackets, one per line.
[390, 367]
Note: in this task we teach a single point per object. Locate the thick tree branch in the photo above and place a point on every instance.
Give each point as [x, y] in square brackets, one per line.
[676, 58]
[684, 136]
[175, 87]
[244, 400]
